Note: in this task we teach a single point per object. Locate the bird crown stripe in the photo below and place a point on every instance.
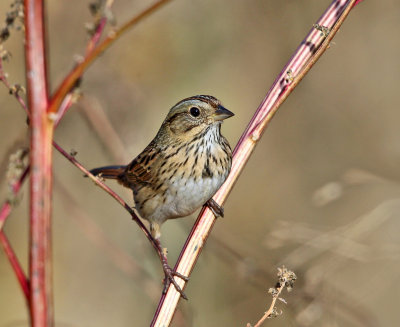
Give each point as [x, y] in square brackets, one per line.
[205, 98]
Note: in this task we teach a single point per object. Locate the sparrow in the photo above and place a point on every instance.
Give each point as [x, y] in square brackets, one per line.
[182, 167]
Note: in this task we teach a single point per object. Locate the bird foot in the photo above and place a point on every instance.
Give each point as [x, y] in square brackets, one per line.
[169, 274]
[216, 209]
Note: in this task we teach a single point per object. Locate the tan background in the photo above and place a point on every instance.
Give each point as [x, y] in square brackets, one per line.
[321, 193]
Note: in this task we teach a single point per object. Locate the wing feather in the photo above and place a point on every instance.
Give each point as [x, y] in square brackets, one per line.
[141, 171]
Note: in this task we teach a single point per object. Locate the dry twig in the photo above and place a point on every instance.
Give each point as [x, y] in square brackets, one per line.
[286, 279]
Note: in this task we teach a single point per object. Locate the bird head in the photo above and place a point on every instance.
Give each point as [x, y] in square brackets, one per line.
[194, 115]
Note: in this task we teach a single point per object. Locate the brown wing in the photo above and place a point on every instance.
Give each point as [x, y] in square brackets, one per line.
[142, 169]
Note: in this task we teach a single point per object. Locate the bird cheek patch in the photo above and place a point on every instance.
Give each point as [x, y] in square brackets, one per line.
[209, 120]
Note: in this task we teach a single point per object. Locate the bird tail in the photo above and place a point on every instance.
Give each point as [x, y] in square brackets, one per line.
[109, 172]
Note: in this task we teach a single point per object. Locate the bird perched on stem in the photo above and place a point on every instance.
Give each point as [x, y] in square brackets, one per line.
[181, 169]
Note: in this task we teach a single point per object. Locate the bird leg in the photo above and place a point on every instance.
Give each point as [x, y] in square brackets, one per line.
[169, 273]
[216, 209]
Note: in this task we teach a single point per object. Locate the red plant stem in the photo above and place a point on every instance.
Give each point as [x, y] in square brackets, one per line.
[3, 78]
[41, 134]
[78, 70]
[114, 195]
[8, 250]
[100, 26]
[155, 243]
[42, 130]
[4, 213]
[96, 35]
[305, 56]
[6, 208]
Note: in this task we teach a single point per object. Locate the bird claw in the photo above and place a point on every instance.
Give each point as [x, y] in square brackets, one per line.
[169, 279]
[216, 209]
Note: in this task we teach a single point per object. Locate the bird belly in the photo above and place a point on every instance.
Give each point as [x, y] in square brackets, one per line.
[184, 196]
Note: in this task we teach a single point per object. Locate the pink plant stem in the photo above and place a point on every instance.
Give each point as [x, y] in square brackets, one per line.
[6, 208]
[19, 273]
[8, 250]
[41, 134]
[97, 34]
[114, 195]
[42, 128]
[3, 78]
[4, 213]
[289, 77]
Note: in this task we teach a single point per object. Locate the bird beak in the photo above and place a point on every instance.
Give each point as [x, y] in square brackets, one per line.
[222, 113]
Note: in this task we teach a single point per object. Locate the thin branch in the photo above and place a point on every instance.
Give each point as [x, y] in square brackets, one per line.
[15, 187]
[94, 233]
[64, 107]
[78, 70]
[357, 2]
[41, 134]
[100, 26]
[8, 250]
[94, 40]
[70, 98]
[97, 118]
[286, 279]
[12, 89]
[292, 73]
[16, 266]
[98, 182]
[156, 244]
[271, 309]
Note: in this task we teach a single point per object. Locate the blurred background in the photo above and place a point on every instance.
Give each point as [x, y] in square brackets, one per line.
[320, 195]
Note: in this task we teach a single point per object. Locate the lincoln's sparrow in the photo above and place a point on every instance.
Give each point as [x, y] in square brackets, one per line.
[182, 168]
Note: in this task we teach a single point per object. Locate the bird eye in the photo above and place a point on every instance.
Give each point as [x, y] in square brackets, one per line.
[194, 111]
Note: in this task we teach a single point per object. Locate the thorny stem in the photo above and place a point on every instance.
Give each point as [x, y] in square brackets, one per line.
[293, 72]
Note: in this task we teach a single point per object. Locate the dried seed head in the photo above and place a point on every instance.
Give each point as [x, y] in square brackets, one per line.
[275, 313]
[16, 89]
[18, 161]
[286, 278]
[4, 34]
[4, 54]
